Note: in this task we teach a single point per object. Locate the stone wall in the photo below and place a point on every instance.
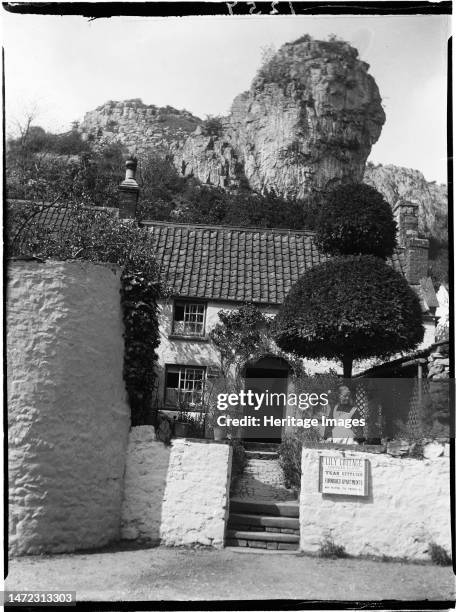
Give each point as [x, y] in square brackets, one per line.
[68, 416]
[196, 501]
[145, 480]
[178, 494]
[407, 507]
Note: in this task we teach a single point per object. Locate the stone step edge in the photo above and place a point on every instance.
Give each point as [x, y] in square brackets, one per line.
[263, 536]
[264, 508]
[283, 522]
[261, 446]
[258, 545]
[291, 549]
[264, 455]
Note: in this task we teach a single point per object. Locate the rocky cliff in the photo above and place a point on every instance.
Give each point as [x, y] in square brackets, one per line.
[396, 182]
[308, 121]
[140, 127]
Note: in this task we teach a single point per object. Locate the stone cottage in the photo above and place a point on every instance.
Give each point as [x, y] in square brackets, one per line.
[215, 268]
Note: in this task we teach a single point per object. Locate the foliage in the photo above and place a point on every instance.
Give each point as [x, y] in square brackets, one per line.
[139, 295]
[290, 453]
[213, 126]
[349, 308]
[438, 261]
[290, 449]
[241, 334]
[330, 550]
[356, 219]
[439, 555]
[37, 140]
[40, 174]
[98, 236]
[239, 459]
[92, 177]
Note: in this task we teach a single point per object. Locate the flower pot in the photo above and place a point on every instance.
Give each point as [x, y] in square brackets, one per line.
[219, 432]
[181, 430]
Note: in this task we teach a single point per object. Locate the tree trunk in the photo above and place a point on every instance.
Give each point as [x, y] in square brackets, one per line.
[347, 362]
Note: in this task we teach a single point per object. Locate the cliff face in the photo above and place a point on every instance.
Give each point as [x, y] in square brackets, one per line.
[140, 127]
[396, 182]
[308, 121]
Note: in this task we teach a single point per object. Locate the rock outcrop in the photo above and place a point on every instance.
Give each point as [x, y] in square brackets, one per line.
[395, 182]
[140, 127]
[308, 121]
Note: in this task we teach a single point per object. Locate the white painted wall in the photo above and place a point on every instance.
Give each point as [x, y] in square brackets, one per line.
[176, 494]
[408, 506]
[145, 480]
[68, 416]
[196, 501]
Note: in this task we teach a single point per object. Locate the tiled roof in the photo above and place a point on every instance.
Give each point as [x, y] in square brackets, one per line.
[234, 263]
[224, 263]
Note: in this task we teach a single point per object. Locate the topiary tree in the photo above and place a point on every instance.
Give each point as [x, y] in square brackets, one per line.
[349, 308]
[355, 219]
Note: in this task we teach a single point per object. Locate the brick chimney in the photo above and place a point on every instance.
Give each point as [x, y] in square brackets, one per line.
[129, 191]
[415, 248]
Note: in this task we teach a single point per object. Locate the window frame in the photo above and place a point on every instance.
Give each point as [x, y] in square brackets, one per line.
[168, 405]
[188, 302]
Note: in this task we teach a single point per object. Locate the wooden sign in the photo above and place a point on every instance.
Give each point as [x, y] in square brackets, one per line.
[343, 476]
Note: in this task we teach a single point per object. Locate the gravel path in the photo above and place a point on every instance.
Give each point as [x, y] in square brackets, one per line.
[180, 574]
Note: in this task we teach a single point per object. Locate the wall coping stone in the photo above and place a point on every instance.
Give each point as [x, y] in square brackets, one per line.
[199, 441]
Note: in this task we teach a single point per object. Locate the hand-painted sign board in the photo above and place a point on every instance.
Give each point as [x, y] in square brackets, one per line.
[343, 476]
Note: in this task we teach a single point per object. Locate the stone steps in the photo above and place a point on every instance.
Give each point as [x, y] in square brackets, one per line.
[290, 509]
[261, 446]
[257, 454]
[267, 525]
[258, 522]
[264, 514]
[263, 539]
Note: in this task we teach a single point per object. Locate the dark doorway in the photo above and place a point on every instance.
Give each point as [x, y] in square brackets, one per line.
[268, 376]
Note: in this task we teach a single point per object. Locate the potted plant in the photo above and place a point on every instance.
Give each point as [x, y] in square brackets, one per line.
[182, 423]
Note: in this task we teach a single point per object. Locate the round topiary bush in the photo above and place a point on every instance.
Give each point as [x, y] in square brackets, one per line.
[349, 308]
[356, 219]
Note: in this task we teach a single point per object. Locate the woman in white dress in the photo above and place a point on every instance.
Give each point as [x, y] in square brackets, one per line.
[344, 409]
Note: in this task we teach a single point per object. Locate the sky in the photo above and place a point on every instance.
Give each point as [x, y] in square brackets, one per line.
[62, 67]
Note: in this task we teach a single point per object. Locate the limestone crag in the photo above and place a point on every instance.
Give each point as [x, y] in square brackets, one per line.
[396, 182]
[307, 122]
[138, 126]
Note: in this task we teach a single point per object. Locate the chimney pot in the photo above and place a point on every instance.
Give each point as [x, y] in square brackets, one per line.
[129, 190]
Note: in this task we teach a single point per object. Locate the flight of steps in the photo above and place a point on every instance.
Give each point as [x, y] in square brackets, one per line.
[263, 512]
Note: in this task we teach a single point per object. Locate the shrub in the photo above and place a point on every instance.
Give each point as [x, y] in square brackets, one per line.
[330, 550]
[349, 308]
[239, 458]
[439, 555]
[356, 219]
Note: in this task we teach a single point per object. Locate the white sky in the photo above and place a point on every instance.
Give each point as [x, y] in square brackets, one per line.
[68, 65]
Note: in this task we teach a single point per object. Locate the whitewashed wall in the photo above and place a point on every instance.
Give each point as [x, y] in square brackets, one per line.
[68, 417]
[408, 507]
[178, 495]
[145, 480]
[196, 500]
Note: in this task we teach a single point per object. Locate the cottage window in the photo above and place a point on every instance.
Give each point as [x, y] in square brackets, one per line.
[189, 318]
[184, 386]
